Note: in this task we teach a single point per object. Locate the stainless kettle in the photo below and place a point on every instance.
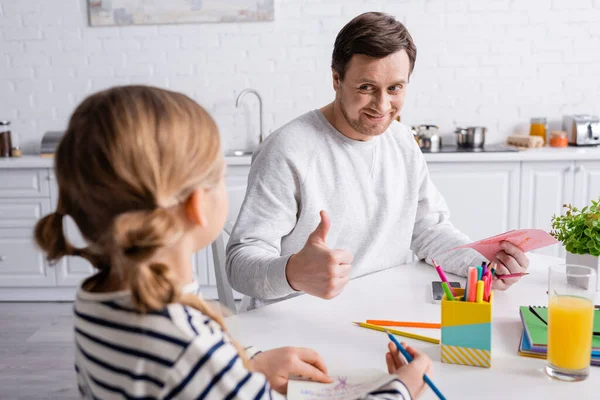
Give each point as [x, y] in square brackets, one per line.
[428, 137]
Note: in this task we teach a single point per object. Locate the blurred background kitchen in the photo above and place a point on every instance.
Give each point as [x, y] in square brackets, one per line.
[488, 73]
[494, 63]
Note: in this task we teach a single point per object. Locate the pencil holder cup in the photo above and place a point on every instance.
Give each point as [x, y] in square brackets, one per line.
[467, 332]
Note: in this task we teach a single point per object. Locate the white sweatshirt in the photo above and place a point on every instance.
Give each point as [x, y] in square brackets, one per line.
[380, 199]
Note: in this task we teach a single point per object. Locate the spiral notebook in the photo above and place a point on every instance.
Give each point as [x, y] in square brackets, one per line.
[537, 332]
[525, 350]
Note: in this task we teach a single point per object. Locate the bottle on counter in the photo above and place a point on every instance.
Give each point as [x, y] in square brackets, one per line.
[538, 128]
[5, 139]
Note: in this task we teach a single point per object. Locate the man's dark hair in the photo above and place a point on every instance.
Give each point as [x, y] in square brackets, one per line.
[373, 34]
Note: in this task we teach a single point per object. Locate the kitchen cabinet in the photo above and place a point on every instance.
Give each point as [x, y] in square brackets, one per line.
[21, 263]
[587, 182]
[24, 183]
[71, 271]
[28, 192]
[24, 198]
[236, 180]
[547, 186]
[487, 193]
[483, 198]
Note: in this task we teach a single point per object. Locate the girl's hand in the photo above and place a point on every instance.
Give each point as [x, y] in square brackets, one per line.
[411, 374]
[278, 364]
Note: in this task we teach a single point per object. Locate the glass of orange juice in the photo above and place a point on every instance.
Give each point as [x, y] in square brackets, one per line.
[571, 290]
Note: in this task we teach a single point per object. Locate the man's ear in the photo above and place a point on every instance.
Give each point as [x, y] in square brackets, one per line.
[336, 79]
[194, 207]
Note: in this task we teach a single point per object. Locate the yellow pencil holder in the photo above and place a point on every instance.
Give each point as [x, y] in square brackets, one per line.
[467, 332]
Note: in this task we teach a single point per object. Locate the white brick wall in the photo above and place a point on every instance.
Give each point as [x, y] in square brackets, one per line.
[491, 62]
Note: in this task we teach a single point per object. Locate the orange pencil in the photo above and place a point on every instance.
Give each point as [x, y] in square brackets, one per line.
[429, 325]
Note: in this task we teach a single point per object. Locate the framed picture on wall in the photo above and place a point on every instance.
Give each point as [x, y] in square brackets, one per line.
[144, 12]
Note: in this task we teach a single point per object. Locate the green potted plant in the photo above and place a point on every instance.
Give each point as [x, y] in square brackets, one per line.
[579, 231]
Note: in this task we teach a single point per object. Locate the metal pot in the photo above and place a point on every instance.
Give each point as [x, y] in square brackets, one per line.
[428, 138]
[470, 137]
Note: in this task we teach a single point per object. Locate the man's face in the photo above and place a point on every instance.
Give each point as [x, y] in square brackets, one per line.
[372, 92]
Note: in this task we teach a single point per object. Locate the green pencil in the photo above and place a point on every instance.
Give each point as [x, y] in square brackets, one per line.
[446, 288]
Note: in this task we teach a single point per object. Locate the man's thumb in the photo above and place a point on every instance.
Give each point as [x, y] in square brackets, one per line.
[322, 229]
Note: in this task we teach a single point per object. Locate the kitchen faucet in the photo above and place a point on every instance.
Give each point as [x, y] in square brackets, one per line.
[260, 108]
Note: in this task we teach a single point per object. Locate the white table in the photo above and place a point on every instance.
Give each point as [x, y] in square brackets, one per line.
[403, 293]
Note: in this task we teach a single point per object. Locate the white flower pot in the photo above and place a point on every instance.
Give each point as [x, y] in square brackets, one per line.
[588, 261]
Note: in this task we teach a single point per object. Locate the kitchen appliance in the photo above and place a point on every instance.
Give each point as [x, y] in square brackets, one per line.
[50, 142]
[428, 137]
[470, 137]
[582, 129]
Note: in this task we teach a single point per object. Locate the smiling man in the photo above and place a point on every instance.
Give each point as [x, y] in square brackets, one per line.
[344, 190]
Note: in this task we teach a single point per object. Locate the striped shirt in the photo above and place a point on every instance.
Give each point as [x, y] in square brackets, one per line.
[175, 353]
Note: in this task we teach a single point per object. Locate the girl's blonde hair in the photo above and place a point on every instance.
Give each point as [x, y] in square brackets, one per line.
[130, 153]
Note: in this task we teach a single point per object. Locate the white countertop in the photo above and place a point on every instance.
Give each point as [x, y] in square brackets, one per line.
[403, 294]
[543, 154]
[36, 161]
[26, 161]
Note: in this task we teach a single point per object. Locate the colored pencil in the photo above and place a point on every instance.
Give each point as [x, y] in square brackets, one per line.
[467, 284]
[442, 275]
[488, 286]
[382, 322]
[517, 275]
[479, 294]
[399, 333]
[409, 359]
[472, 284]
[449, 295]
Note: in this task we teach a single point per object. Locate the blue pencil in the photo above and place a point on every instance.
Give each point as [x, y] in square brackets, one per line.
[409, 359]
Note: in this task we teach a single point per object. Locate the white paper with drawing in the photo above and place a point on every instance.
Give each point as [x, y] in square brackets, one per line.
[346, 385]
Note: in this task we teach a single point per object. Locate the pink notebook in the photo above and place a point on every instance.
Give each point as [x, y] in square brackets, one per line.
[525, 239]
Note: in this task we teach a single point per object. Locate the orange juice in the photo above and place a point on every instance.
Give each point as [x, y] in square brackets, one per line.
[538, 128]
[570, 321]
